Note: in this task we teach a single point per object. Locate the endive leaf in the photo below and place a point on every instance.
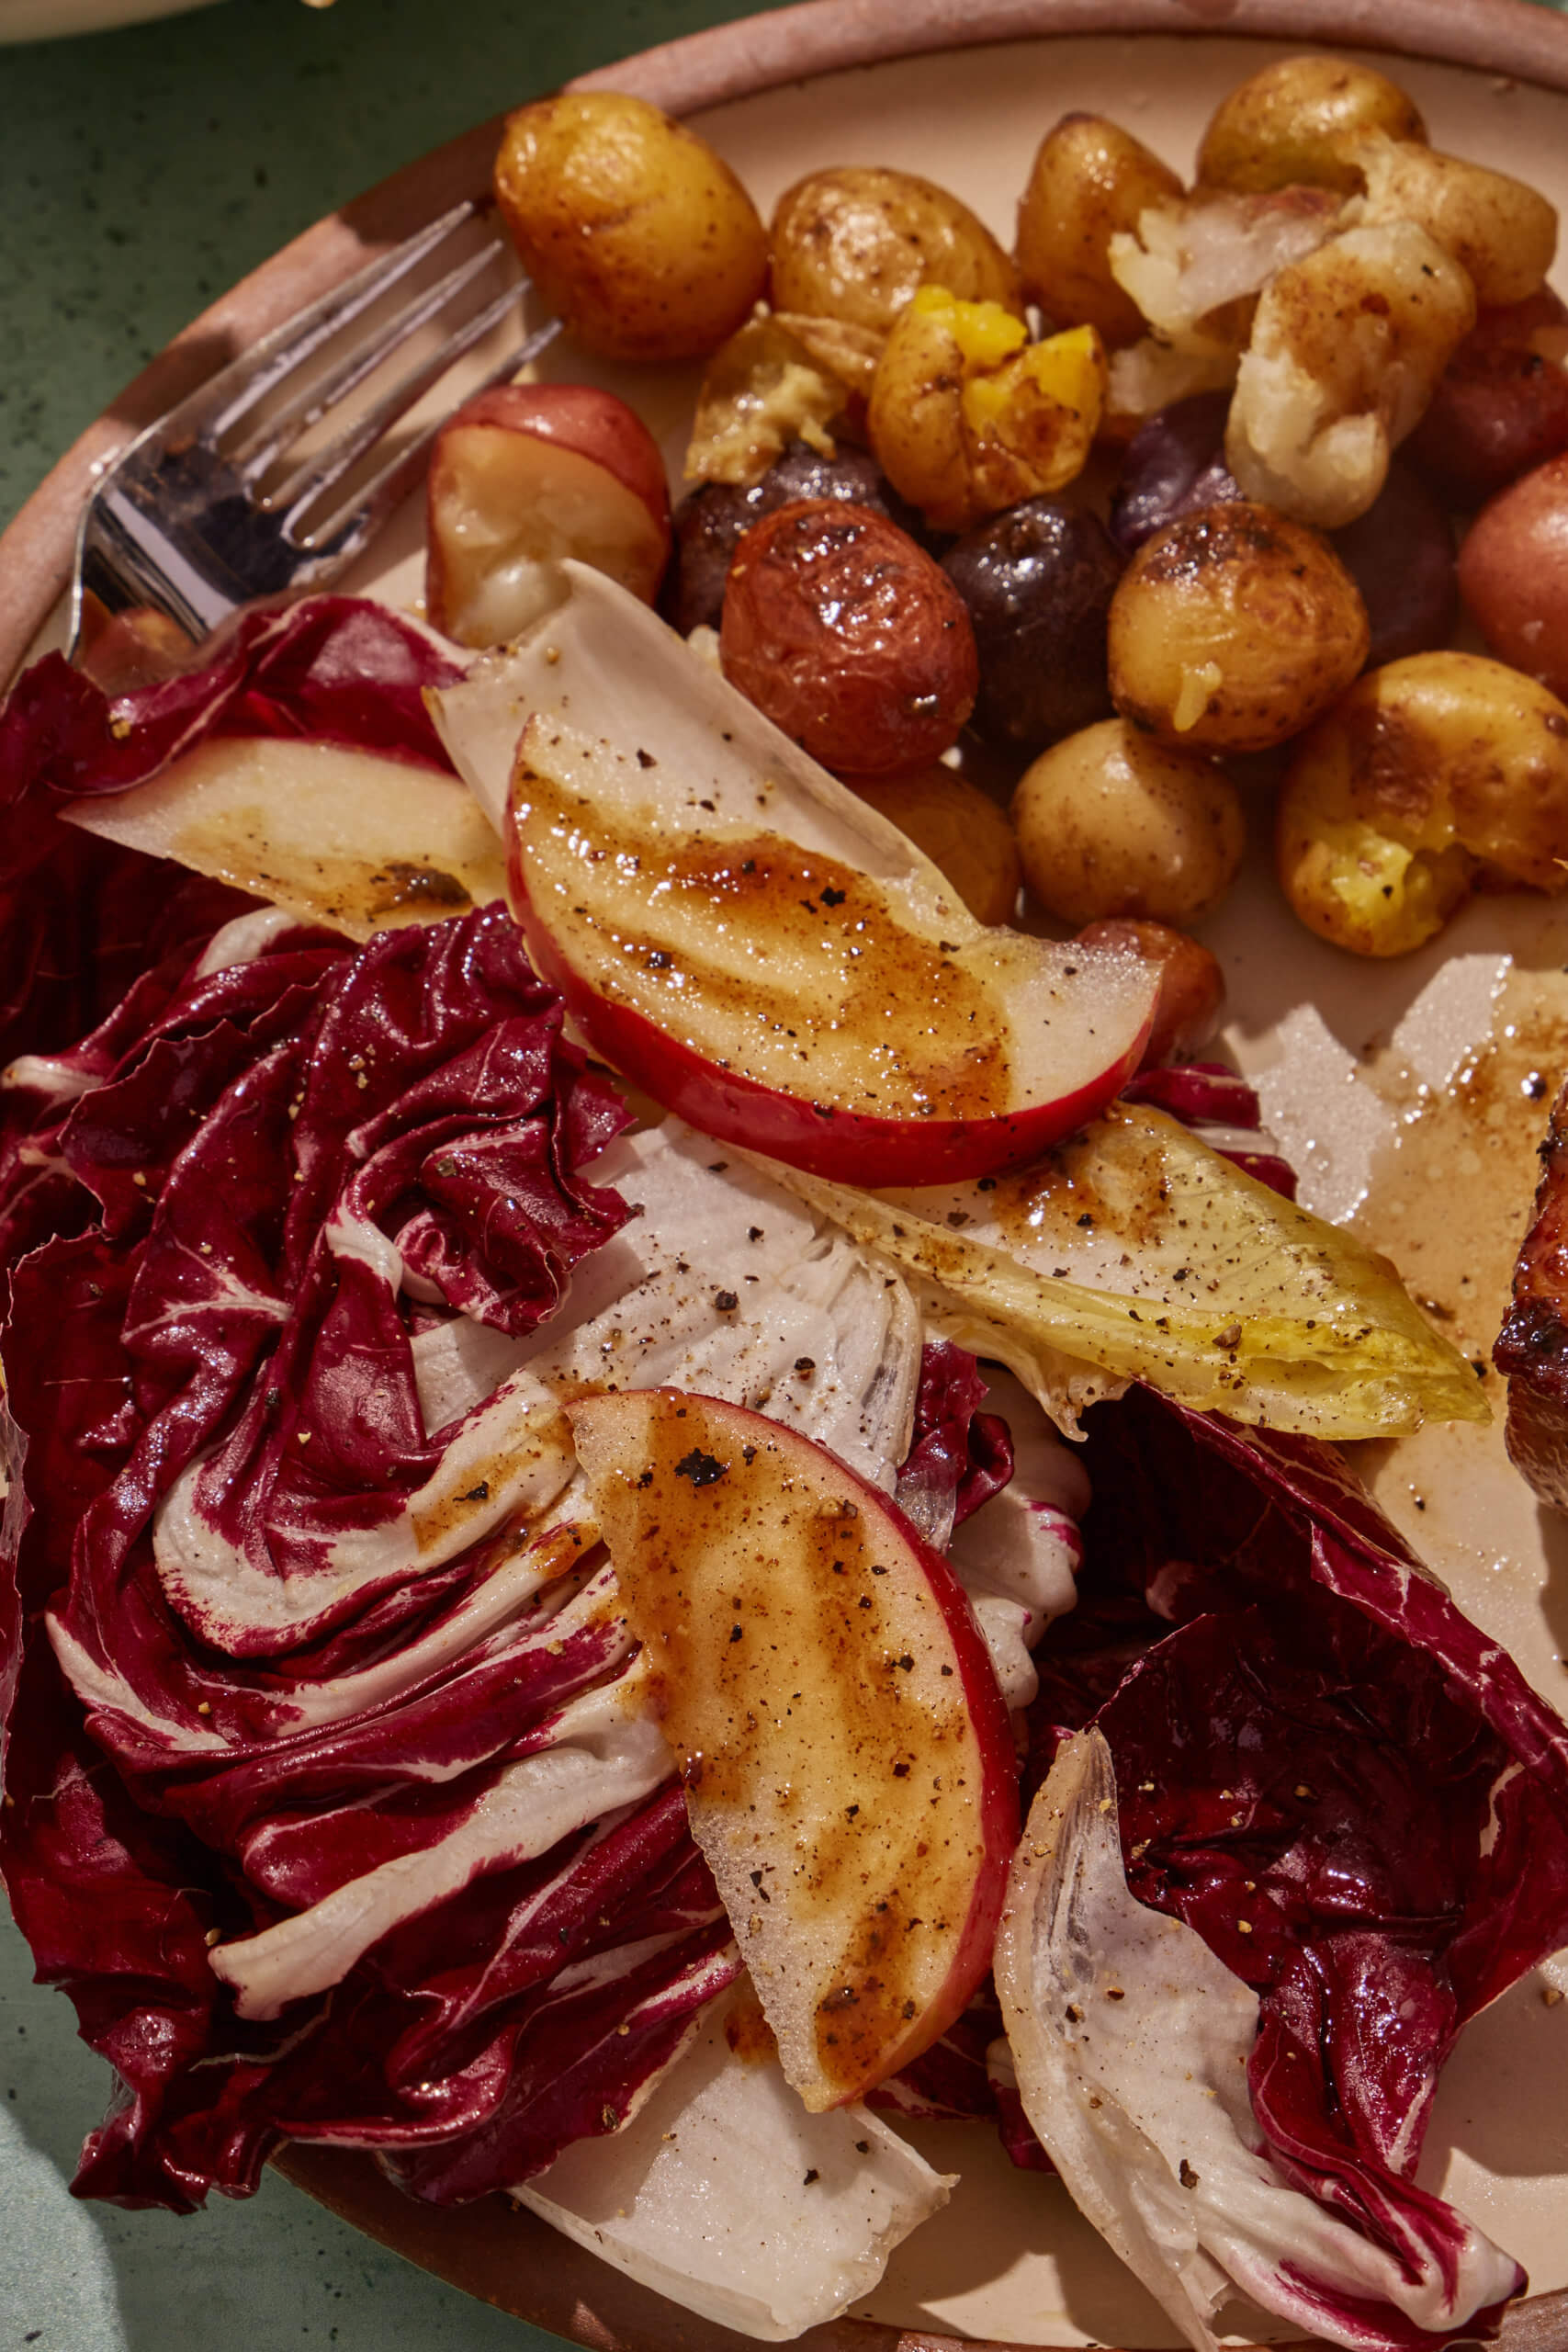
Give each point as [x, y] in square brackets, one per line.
[1136, 1252]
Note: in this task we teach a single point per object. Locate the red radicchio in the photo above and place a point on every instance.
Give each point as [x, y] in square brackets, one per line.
[225, 1199]
[1349, 1791]
[81, 918]
[958, 1457]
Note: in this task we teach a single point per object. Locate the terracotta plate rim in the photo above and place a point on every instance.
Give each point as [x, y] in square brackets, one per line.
[492, 2250]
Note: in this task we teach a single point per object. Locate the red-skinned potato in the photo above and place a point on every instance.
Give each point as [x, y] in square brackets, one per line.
[1513, 575]
[849, 637]
[1501, 406]
[523, 475]
[846, 1756]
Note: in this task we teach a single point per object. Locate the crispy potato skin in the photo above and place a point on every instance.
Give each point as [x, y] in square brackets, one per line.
[1090, 180]
[1292, 124]
[1232, 630]
[854, 243]
[1433, 775]
[1513, 574]
[1502, 233]
[631, 227]
[1110, 823]
[849, 637]
[1191, 984]
[960, 828]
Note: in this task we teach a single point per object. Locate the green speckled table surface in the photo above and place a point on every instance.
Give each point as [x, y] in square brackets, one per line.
[141, 172]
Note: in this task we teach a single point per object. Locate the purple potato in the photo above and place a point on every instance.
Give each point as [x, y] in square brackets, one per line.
[1400, 554]
[1174, 465]
[709, 523]
[1038, 581]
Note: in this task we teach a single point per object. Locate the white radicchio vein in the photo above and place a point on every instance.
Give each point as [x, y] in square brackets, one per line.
[731, 1288]
[1016, 1556]
[723, 2193]
[1141, 2103]
[512, 1456]
[608, 1752]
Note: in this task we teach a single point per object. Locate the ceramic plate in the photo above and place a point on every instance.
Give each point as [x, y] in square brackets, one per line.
[44, 19]
[1404, 1095]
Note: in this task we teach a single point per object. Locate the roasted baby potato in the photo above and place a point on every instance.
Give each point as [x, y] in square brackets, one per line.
[854, 243]
[766, 386]
[1293, 124]
[1038, 581]
[1513, 574]
[1502, 404]
[1502, 233]
[1433, 774]
[1232, 630]
[630, 226]
[960, 828]
[1110, 823]
[1090, 179]
[967, 416]
[1346, 350]
[849, 637]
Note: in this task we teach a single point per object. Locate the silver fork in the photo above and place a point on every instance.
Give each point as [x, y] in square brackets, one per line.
[186, 519]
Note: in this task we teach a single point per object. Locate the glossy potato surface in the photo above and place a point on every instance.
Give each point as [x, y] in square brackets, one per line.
[1292, 124]
[1513, 574]
[1232, 630]
[849, 637]
[632, 229]
[1090, 179]
[1110, 823]
[854, 243]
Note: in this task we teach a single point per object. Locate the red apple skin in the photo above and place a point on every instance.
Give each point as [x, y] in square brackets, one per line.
[998, 1817]
[845, 1147]
[576, 418]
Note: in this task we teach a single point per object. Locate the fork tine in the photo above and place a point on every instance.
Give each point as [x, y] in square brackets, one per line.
[294, 497]
[387, 489]
[254, 456]
[218, 404]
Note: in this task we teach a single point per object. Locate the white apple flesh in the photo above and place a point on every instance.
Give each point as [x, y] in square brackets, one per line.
[768, 955]
[846, 1756]
[523, 475]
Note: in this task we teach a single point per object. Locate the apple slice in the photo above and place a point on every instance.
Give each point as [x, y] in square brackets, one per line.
[768, 954]
[523, 475]
[846, 1758]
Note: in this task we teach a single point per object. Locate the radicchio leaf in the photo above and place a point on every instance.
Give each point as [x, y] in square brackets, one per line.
[231, 1163]
[1350, 1792]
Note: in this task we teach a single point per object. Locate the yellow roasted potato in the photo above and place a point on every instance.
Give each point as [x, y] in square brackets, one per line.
[960, 828]
[967, 416]
[1433, 775]
[632, 229]
[1090, 179]
[1110, 823]
[1292, 125]
[1502, 233]
[1232, 630]
[854, 243]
